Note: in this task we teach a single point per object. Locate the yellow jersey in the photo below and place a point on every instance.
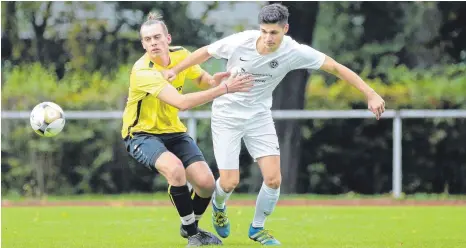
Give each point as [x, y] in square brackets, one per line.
[144, 112]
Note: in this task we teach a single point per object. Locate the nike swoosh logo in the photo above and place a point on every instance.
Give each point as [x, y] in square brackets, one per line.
[242, 59]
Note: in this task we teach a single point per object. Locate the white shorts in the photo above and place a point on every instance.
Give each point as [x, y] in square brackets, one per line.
[258, 133]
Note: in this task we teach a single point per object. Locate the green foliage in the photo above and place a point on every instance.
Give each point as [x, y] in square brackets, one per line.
[379, 37]
[395, 46]
[30, 84]
[89, 156]
[356, 155]
[435, 88]
[84, 152]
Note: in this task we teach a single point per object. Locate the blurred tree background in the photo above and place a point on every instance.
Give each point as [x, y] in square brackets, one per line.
[412, 53]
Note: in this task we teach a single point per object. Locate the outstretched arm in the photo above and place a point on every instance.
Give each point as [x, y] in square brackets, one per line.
[205, 80]
[308, 58]
[184, 102]
[187, 101]
[197, 57]
[208, 81]
[222, 48]
[375, 103]
[152, 82]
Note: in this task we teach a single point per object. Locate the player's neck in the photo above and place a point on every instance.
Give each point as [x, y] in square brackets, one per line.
[163, 60]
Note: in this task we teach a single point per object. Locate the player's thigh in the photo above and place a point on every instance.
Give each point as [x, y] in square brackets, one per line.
[145, 149]
[261, 138]
[227, 146]
[150, 151]
[171, 168]
[185, 148]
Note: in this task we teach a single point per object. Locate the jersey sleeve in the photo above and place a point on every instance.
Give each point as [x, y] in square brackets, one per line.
[149, 81]
[225, 47]
[307, 57]
[194, 72]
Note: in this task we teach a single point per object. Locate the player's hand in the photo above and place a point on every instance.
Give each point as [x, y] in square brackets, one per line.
[217, 78]
[169, 75]
[376, 105]
[241, 83]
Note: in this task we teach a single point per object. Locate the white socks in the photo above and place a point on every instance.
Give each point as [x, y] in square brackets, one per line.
[220, 197]
[265, 204]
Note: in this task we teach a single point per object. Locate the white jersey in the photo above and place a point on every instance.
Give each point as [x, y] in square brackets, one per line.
[267, 70]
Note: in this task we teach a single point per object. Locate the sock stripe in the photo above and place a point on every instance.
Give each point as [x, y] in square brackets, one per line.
[170, 195]
[188, 220]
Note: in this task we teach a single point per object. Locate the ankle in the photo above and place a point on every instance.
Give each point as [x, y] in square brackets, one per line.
[218, 205]
[191, 229]
[258, 227]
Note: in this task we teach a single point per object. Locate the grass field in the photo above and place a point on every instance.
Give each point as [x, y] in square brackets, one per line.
[294, 226]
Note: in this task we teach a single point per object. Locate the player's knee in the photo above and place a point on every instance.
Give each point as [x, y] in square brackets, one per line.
[206, 185]
[176, 175]
[273, 182]
[228, 185]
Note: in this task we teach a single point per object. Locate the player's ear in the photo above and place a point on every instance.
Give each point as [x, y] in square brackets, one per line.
[285, 28]
[169, 38]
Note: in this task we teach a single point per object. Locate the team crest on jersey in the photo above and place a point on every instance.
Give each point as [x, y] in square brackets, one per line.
[274, 63]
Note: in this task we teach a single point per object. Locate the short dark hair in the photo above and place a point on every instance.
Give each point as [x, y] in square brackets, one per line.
[274, 14]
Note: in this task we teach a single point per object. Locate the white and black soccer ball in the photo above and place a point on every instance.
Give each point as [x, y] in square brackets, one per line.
[47, 119]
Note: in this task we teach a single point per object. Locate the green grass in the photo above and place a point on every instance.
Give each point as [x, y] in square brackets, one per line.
[316, 227]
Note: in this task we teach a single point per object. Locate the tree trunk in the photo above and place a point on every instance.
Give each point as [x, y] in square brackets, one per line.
[10, 33]
[290, 95]
[39, 31]
[289, 131]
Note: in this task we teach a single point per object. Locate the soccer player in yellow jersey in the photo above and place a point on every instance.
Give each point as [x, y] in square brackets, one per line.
[155, 136]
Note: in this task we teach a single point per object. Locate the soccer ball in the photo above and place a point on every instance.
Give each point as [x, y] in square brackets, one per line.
[47, 119]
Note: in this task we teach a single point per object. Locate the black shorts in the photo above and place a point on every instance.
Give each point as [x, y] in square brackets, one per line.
[147, 148]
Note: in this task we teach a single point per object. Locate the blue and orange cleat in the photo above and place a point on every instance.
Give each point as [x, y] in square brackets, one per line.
[262, 236]
[220, 221]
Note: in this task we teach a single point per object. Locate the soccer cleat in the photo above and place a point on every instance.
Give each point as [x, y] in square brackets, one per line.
[184, 234]
[220, 221]
[262, 236]
[203, 238]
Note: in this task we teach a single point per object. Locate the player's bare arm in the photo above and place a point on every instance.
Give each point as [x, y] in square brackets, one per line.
[196, 58]
[375, 103]
[205, 80]
[208, 81]
[183, 102]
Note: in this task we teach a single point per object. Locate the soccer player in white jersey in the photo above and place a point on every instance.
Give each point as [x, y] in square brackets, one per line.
[268, 55]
